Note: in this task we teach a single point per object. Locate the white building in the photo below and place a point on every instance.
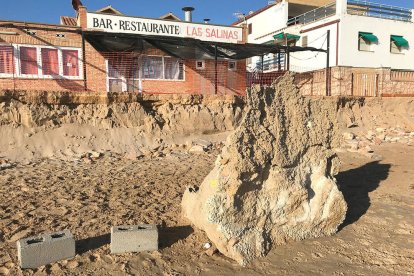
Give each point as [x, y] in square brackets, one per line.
[362, 34]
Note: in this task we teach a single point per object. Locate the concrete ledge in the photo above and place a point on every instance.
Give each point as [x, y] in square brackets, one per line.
[45, 249]
[134, 238]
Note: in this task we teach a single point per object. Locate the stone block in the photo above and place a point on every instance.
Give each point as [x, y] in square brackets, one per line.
[197, 149]
[45, 249]
[134, 238]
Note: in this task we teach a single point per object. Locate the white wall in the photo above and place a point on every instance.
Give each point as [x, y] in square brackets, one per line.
[264, 23]
[268, 21]
[381, 56]
[275, 18]
[308, 61]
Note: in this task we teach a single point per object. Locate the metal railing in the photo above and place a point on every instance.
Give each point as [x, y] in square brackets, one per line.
[371, 9]
[263, 78]
[402, 75]
[313, 15]
[270, 64]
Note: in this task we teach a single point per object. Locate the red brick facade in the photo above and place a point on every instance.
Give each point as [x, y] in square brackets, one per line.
[41, 35]
[93, 70]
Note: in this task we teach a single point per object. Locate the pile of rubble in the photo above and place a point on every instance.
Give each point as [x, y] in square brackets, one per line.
[364, 143]
[5, 164]
[158, 150]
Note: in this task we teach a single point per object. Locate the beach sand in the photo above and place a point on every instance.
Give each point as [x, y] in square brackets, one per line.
[47, 195]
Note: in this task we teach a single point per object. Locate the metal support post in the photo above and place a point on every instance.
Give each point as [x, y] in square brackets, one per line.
[262, 62]
[85, 84]
[215, 71]
[327, 72]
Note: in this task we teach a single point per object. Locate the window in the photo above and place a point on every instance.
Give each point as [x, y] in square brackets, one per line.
[28, 61]
[6, 60]
[125, 73]
[173, 69]
[364, 45]
[121, 69]
[366, 41]
[305, 41]
[200, 64]
[395, 49]
[398, 44]
[50, 62]
[152, 67]
[250, 28]
[70, 61]
[232, 65]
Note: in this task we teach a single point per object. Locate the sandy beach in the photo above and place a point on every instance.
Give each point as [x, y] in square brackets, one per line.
[87, 198]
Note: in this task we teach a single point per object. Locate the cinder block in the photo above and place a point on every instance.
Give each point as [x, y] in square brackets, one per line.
[45, 249]
[134, 238]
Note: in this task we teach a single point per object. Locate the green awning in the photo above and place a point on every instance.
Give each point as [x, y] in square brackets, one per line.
[368, 36]
[399, 41]
[289, 36]
[279, 36]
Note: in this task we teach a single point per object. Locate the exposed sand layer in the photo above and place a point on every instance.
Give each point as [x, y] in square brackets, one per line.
[31, 130]
[66, 125]
[376, 238]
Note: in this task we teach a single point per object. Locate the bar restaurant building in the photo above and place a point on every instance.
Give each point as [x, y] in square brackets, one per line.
[106, 51]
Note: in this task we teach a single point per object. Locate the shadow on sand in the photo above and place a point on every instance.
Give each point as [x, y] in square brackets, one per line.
[167, 237]
[88, 244]
[170, 235]
[356, 184]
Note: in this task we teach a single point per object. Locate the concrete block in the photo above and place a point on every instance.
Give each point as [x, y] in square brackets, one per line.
[134, 238]
[45, 249]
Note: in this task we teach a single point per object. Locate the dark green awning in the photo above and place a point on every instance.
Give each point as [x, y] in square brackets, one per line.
[185, 48]
[399, 41]
[279, 36]
[368, 36]
[289, 36]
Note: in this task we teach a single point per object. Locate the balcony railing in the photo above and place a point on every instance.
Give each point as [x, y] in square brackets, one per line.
[366, 8]
[271, 64]
[313, 15]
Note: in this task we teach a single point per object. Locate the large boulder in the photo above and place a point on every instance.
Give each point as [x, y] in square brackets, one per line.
[274, 180]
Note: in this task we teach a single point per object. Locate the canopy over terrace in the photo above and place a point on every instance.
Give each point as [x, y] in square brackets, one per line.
[114, 46]
[185, 48]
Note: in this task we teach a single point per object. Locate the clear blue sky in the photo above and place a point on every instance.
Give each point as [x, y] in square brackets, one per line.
[219, 11]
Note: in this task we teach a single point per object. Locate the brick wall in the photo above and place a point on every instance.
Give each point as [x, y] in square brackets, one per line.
[196, 81]
[311, 83]
[95, 69]
[46, 36]
[352, 81]
[398, 83]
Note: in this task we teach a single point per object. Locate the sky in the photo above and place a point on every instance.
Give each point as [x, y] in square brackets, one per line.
[219, 11]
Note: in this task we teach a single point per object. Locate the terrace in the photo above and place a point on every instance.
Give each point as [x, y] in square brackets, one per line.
[275, 63]
[354, 7]
[371, 9]
[313, 15]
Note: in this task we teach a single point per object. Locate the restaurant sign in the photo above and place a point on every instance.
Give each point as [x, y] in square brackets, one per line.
[145, 26]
